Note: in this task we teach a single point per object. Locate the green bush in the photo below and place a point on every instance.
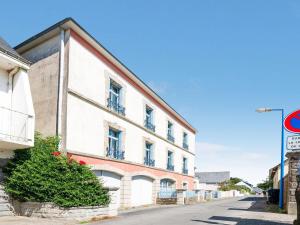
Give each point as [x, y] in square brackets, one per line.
[42, 174]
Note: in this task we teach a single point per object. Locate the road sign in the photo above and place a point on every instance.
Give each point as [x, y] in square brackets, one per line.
[293, 142]
[292, 122]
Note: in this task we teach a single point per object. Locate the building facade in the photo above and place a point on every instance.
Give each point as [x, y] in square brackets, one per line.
[16, 111]
[106, 116]
[16, 107]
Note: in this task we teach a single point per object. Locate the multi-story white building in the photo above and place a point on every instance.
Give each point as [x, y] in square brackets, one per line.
[106, 116]
[16, 107]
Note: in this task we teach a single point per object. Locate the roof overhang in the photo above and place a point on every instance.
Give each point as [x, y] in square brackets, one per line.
[70, 24]
[8, 63]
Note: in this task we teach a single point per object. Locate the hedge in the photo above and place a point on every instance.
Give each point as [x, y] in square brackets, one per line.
[43, 174]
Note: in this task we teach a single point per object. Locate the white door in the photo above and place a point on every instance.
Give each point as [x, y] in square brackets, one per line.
[141, 191]
[110, 179]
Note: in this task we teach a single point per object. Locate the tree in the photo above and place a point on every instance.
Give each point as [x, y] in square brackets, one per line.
[43, 174]
[266, 184]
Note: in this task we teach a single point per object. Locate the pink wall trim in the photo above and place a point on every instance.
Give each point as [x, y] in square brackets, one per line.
[131, 168]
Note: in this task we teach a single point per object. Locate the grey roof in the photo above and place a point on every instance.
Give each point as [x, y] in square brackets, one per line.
[212, 177]
[8, 50]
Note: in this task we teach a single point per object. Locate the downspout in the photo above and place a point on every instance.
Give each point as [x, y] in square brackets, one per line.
[10, 94]
[60, 83]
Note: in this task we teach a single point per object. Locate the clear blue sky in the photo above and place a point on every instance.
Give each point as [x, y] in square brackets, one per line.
[213, 61]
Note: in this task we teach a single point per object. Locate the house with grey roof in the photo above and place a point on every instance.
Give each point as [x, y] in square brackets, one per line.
[212, 177]
[210, 181]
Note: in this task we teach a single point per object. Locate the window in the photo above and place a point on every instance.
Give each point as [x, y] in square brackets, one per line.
[114, 100]
[149, 119]
[148, 160]
[185, 141]
[170, 163]
[184, 166]
[170, 132]
[114, 143]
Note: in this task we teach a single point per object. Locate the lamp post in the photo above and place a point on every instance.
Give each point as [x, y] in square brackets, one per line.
[281, 191]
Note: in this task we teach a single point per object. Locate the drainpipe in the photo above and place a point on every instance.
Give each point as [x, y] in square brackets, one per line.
[60, 83]
[10, 93]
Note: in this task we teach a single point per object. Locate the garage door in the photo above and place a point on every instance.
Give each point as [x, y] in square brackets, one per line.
[141, 191]
[110, 179]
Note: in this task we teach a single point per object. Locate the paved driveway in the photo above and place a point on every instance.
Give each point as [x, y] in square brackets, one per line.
[238, 211]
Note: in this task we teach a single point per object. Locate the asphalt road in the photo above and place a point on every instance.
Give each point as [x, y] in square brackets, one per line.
[238, 211]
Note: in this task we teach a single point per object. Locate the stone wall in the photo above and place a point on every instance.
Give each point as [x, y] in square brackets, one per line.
[49, 210]
[294, 163]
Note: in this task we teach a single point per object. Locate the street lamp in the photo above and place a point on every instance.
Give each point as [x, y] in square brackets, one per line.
[281, 191]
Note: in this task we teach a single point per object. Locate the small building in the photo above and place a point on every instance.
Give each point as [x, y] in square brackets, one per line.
[274, 176]
[107, 116]
[16, 107]
[211, 180]
[16, 110]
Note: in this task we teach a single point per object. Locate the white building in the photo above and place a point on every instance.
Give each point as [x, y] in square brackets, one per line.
[106, 116]
[16, 111]
[16, 107]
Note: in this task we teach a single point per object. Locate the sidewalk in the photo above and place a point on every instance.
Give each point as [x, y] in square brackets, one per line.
[22, 220]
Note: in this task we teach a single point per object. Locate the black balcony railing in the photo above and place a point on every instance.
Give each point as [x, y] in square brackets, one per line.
[185, 171]
[170, 167]
[149, 162]
[170, 137]
[185, 145]
[149, 125]
[115, 154]
[115, 107]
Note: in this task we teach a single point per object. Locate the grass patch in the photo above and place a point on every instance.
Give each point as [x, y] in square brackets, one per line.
[275, 209]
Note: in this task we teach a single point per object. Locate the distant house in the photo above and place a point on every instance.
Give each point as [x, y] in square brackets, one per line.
[274, 174]
[211, 180]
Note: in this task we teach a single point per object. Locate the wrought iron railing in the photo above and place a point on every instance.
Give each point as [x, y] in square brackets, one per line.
[170, 167]
[170, 137]
[185, 145]
[15, 125]
[149, 125]
[167, 193]
[115, 154]
[185, 171]
[116, 107]
[149, 162]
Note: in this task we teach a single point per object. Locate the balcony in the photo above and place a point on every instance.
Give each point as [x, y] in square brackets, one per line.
[115, 107]
[149, 162]
[185, 145]
[115, 154]
[149, 125]
[170, 167]
[171, 138]
[16, 129]
[185, 171]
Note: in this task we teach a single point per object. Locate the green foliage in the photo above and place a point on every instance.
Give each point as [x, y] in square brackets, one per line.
[36, 174]
[231, 185]
[266, 184]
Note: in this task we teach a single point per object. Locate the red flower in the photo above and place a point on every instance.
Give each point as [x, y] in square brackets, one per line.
[56, 153]
[81, 162]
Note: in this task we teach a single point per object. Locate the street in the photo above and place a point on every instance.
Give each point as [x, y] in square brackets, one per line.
[239, 211]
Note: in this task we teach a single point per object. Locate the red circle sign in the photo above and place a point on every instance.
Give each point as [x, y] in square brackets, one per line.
[292, 122]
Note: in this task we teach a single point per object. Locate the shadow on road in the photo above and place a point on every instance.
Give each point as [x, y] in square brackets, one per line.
[258, 204]
[240, 221]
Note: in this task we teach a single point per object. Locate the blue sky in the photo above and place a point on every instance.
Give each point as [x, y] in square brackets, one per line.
[213, 61]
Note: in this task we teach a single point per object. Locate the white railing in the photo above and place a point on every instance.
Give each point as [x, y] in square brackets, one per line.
[14, 125]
